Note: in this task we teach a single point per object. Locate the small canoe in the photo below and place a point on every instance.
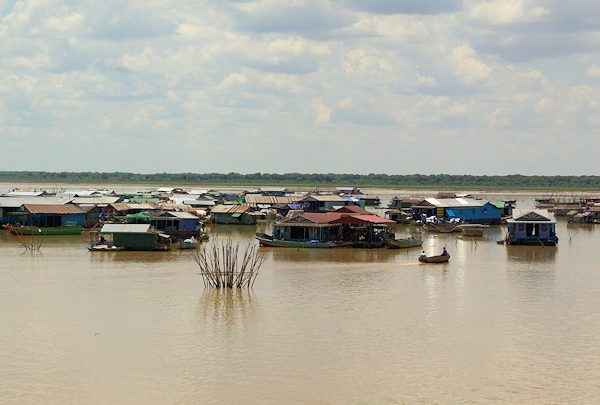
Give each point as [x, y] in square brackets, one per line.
[441, 228]
[434, 259]
[105, 248]
[188, 244]
[402, 243]
[269, 242]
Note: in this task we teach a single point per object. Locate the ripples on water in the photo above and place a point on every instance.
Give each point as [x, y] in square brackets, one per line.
[512, 324]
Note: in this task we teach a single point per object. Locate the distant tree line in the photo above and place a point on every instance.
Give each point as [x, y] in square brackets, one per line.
[434, 181]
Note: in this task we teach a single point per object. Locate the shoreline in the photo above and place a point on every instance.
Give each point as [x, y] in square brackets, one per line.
[306, 187]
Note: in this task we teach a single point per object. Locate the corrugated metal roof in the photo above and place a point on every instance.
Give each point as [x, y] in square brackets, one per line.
[53, 209]
[16, 202]
[103, 200]
[182, 215]
[528, 215]
[127, 207]
[125, 228]
[321, 217]
[229, 209]
[268, 199]
[202, 203]
[455, 202]
[327, 197]
[352, 209]
[363, 219]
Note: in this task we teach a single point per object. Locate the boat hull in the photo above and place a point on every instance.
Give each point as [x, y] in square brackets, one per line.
[34, 230]
[475, 230]
[295, 244]
[441, 228]
[188, 246]
[435, 259]
[105, 249]
[403, 243]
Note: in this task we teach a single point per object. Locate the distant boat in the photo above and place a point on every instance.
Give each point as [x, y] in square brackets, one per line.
[105, 248]
[36, 230]
[402, 243]
[191, 243]
[441, 227]
[434, 259]
[268, 241]
[472, 229]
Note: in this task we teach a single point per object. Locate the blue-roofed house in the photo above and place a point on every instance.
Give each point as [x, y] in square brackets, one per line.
[465, 209]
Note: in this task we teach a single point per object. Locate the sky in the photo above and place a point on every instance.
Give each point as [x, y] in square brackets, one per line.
[315, 86]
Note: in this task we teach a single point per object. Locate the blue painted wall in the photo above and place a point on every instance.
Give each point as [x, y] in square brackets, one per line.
[188, 224]
[485, 214]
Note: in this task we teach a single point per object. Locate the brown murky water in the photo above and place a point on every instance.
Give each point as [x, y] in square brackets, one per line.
[519, 325]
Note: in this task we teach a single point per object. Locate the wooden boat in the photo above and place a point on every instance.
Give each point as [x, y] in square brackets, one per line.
[191, 243]
[105, 248]
[36, 230]
[434, 259]
[441, 228]
[472, 229]
[402, 243]
[268, 241]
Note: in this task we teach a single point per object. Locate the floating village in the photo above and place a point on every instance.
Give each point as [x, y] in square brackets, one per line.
[174, 218]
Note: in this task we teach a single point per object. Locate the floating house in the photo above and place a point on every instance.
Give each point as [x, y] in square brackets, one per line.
[348, 190]
[266, 201]
[178, 224]
[94, 207]
[467, 210]
[130, 208]
[398, 203]
[323, 202]
[363, 199]
[33, 219]
[532, 227]
[232, 214]
[51, 215]
[273, 191]
[130, 237]
[10, 207]
[507, 206]
[303, 228]
[399, 216]
[345, 226]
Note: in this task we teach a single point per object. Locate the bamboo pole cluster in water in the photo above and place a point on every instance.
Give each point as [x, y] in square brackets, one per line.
[225, 265]
[32, 243]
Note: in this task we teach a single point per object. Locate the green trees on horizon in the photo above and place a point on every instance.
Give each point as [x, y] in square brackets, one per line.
[313, 179]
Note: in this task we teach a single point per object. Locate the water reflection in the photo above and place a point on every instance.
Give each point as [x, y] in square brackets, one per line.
[574, 228]
[140, 257]
[340, 255]
[227, 309]
[531, 254]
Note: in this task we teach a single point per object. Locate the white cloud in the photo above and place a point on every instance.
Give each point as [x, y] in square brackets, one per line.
[593, 71]
[467, 65]
[274, 76]
[506, 11]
